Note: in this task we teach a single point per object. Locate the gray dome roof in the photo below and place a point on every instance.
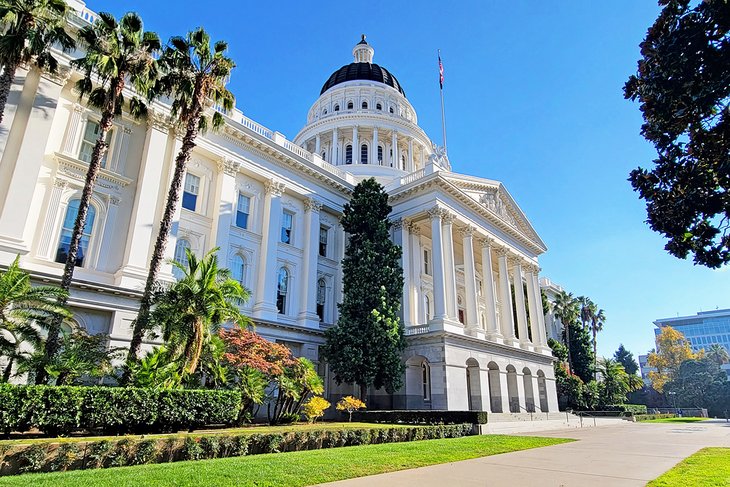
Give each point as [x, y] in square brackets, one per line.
[362, 71]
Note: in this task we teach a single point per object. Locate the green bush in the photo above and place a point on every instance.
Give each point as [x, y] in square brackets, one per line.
[63, 409]
[632, 409]
[123, 452]
[646, 417]
[421, 417]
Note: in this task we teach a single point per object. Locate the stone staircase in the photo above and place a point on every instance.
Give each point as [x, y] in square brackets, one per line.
[507, 423]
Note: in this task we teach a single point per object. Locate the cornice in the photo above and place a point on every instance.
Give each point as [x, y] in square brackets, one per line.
[76, 169]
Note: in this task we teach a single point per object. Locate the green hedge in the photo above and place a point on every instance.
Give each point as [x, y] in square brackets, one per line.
[427, 416]
[646, 417]
[63, 409]
[627, 408]
[46, 457]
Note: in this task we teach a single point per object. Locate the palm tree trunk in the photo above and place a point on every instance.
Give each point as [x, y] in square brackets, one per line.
[100, 149]
[141, 324]
[8, 370]
[595, 357]
[567, 345]
[197, 346]
[363, 392]
[6, 83]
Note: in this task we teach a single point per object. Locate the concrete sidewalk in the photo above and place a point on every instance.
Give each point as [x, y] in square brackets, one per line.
[625, 454]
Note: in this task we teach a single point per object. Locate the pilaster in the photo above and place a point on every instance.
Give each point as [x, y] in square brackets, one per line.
[308, 287]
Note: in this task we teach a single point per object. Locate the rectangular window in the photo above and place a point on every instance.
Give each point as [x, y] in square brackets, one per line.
[286, 226]
[426, 262]
[243, 210]
[190, 193]
[323, 241]
[91, 134]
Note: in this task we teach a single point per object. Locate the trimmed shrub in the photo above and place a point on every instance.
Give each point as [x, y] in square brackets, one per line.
[117, 410]
[627, 408]
[646, 417]
[421, 417]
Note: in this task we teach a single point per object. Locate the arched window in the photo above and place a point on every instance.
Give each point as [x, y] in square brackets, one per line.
[324, 112]
[238, 269]
[337, 107]
[378, 106]
[390, 109]
[364, 105]
[181, 257]
[64, 242]
[460, 306]
[321, 298]
[364, 154]
[348, 154]
[324, 155]
[282, 288]
[350, 105]
[426, 380]
[380, 154]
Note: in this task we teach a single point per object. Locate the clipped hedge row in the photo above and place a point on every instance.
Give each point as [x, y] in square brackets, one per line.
[427, 416]
[627, 408]
[47, 457]
[647, 417]
[59, 410]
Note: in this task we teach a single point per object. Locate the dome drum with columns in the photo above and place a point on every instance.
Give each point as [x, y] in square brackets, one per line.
[272, 207]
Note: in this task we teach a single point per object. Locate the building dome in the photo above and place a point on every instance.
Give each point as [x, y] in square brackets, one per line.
[362, 69]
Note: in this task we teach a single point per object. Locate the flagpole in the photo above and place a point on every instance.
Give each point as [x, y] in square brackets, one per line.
[441, 89]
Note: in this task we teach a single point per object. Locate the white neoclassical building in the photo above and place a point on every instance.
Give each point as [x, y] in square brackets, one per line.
[471, 301]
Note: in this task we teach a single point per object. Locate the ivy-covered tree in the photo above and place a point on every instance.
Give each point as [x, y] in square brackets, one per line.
[626, 358]
[683, 86]
[366, 344]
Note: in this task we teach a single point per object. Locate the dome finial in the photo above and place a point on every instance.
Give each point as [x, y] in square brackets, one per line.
[363, 52]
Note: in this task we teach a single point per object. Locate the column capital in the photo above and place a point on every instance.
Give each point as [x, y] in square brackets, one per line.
[448, 217]
[435, 213]
[486, 242]
[413, 227]
[467, 231]
[515, 261]
[312, 205]
[503, 252]
[397, 224]
[158, 120]
[228, 166]
[274, 188]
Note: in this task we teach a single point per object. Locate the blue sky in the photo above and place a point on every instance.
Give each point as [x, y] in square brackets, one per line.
[533, 98]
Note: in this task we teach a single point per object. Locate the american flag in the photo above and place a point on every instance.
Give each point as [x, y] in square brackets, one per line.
[441, 72]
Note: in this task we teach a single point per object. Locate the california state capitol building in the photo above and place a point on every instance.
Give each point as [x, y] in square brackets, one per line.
[471, 304]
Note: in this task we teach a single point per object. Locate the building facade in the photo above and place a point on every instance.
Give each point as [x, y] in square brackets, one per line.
[471, 301]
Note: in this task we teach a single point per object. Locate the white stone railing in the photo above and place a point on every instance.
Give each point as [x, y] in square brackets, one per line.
[414, 176]
[417, 330]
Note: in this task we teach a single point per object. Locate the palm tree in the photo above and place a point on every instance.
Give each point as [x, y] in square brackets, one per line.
[194, 75]
[598, 319]
[29, 29]
[567, 312]
[117, 53]
[587, 308]
[193, 308]
[23, 311]
[616, 382]
[718, 354]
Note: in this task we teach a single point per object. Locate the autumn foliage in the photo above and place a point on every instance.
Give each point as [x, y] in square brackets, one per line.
[245, 348]
[672, 349]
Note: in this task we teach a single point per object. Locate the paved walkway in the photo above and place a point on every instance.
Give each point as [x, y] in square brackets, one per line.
[627, 454]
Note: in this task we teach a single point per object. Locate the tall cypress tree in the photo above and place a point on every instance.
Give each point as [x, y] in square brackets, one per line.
[365, 347]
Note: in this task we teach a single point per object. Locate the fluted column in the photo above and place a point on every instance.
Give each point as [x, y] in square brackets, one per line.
[355, 146]
[335, 157]
[265, 293]
[410, 155]
[533, 304]
[439, 297]
[540, 315]
[374, 150]
[394, 149]
[520, 303]
[488, 292]
[317, 144]
[449, 268]
[308, 287]
[505, 300]
[470, 282]
[414, 281]
[400, 234]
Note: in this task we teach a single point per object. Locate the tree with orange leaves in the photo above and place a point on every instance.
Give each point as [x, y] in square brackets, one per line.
[672, 349]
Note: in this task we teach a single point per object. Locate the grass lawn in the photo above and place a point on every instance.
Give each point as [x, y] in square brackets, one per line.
[262, 429]
[674, 420]
[709, 467]
[291, 469]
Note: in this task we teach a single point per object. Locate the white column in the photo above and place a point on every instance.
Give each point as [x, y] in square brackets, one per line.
[449, 269]
[439, 298]
[505, 300]
[470, 282]
[317, 144]
[394, 148]
[308, 283]
[540, 315]
[414, 282]
[227, 169]
[355, 146]
[520, 303]
[374, 150]
[335, 157]
[265, 292]
[488, 292]
[144, 221]
[400, 232]
[22, 159]
[535, 306]
[72, 131]
[410, 155]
